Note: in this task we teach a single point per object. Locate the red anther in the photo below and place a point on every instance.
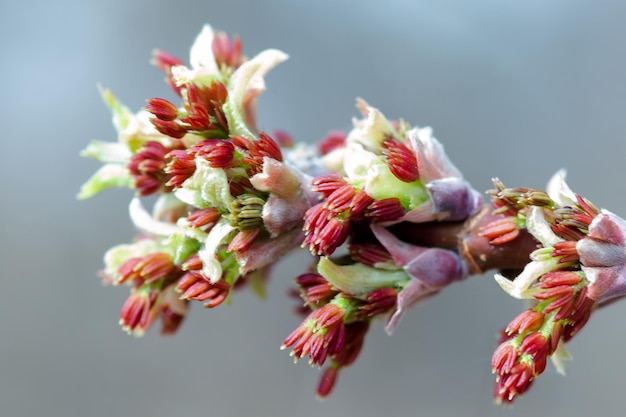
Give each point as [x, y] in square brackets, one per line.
[315, 289]
[504, 358]
[587, 206]
[165, 62]
[283, 138]
[219, 153]
[379, 301]
[334, 140]
[147, 167]
[341, 199]
[371, 254]
[327, 184]
[535, 344]
[388, 209]
[401, 160]
[181, 166]
[526, 321]
[170, 321]
[148, 268]
[204, 219]
[162, 109]
[501, 230]
[320, 335]
[195, 286]
[227, 53]
[243, 240]
[558, 291]
[359, 204]
[559, 278]
[268, 147]
[169, 128]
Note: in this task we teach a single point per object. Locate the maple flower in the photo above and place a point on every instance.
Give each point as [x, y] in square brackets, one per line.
[337, 326]
[579, 264]
[134, 132]
[384, 172]
[393, 160]
[227, 205]
[229, 200]
[243, 78]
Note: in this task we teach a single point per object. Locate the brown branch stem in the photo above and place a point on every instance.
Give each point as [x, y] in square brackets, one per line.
[464, 237]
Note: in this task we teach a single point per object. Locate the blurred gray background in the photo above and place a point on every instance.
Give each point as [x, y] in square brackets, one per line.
[515, 89]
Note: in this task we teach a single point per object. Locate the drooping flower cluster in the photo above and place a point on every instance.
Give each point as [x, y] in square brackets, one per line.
[227, 205]
[382, 173]
[578, 264]
[389, 220]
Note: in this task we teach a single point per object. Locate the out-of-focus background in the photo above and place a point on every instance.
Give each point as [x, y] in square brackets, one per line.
[513, 89]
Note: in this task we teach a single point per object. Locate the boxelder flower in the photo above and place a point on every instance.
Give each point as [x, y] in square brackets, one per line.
[341, 313]
[579, 264]
[134, 132]
[227, 205]
[389, 218]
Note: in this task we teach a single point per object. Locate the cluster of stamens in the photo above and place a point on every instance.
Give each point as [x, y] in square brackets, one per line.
[561, 306]
[533, 336]
[335, 328]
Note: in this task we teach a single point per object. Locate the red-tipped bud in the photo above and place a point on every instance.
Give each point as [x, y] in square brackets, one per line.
[379, 301]
[169, 128]
[501, 230]
[322, 334]
[146, 269]
[535, 344]
[341, 199]
[401, 160]
[359, 204]
[567, 232]
[334, 140]
[371, 254]
[138, 312]
[526, 321]
[326, 236]
[204, 219]
[556, 292]
[388, 209]
[517, 382]
[354, 339]
[566, 250]
[162, 109]
[165, 62]
[194, 285]
[243, 240]
[180, 167]
[283, 138]
[148, 168]
[218, 152]
[327, 381]
[227, 53]
[268, 147]
[314, 289]
[504, 358]
[559, 278]
[327, 184]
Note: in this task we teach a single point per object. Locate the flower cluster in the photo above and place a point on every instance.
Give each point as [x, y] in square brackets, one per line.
[578, 265]
[381, 174]
[388, 218]
[227, 204]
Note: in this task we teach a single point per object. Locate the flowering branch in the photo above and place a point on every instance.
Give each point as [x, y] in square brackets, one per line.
[388, 217]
